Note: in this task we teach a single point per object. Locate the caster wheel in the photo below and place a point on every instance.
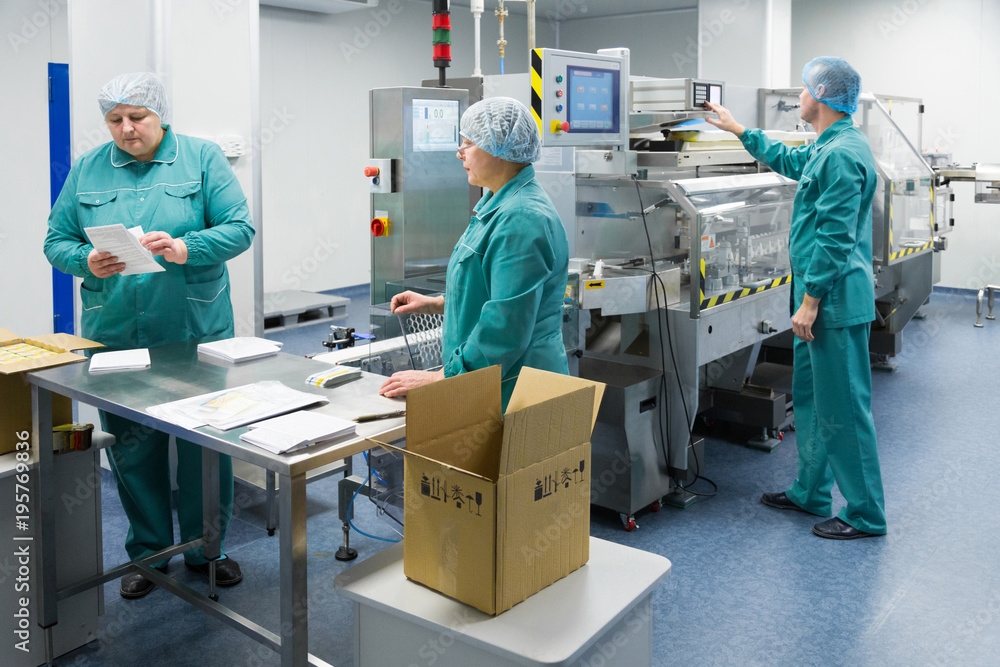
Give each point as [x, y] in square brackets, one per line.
[628, 522]
[781, 436]
[270, 532]
[655, 506]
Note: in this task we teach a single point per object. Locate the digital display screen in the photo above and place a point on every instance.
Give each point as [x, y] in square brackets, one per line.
[435, 125]
[706, 92]
[592, 103]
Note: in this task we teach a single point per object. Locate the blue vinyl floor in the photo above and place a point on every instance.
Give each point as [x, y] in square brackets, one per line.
[750, 585]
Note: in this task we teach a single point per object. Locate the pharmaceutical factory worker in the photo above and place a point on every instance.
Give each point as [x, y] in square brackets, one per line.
[193, 213]
[830, 249]
[507, 275]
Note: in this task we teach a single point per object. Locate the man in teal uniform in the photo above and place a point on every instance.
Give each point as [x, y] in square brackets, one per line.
[193, 214]
[507, 275]
[833, 303]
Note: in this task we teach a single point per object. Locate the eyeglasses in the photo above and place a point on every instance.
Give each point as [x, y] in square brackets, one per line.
[463, 148]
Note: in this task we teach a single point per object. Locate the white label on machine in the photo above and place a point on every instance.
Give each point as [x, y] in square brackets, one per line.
[707, 242]
[551, 157]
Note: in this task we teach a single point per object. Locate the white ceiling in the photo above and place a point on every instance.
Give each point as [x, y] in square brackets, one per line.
[569, 10]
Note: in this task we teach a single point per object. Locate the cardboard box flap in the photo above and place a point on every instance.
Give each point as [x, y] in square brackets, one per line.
[534, 386]
[67, 341]
[8, 336]
[543, 430]
[457, 469]
[458, 422]
[42, 362]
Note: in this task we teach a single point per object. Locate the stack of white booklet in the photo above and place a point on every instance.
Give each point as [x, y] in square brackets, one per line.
[296, 430]
[240, 349]
[120, 360]
[234, 407]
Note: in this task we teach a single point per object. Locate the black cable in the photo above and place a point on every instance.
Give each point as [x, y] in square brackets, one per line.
[673, 360]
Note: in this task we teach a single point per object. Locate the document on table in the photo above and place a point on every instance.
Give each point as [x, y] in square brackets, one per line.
[124, 244]
[296, 430]
[234, 407]
[119, 360]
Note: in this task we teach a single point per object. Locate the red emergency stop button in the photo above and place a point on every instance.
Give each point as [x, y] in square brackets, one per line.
[380, 227]
[559, 93]
[565, 126]
[371, 171]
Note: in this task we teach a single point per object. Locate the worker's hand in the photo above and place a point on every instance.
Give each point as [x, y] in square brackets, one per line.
[411, 302]
[160, 243]
[403, 381]
[725, 120]
[102, 264]
[805, 317]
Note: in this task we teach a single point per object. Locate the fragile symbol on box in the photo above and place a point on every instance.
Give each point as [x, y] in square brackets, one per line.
[437, 489]
[550, 484]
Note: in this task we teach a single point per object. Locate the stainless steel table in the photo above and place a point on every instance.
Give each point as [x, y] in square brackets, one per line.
[176, 372]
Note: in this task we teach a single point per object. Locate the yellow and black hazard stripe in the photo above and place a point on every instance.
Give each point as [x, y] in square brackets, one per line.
[910, 251]
[536, 87]
[739, 293]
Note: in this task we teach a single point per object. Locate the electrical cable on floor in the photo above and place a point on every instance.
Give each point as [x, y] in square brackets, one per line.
[673, 360]
[351, 521]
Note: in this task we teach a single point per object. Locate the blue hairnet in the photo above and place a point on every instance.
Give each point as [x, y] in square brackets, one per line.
[504, 128]
[141, 89]
[833, 82]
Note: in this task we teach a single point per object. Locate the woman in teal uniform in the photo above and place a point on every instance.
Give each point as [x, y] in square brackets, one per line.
[833, 303]
[507, 275]
[193, 214]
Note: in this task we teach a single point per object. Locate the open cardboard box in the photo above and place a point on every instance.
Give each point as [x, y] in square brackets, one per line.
[15, 392]
[496, 510]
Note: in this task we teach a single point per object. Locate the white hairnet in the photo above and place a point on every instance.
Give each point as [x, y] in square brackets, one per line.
[504, 128]
[141, 89]
[833, 82]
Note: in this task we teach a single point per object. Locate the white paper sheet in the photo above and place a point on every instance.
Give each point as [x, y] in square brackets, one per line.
[119, 360]
[123, 244]
[234, 407]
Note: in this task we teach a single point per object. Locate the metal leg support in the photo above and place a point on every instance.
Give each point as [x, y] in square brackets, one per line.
[41, 439]
[269, 508]
[988, 291]
[346, 489]
[294, 589]
[211, 515]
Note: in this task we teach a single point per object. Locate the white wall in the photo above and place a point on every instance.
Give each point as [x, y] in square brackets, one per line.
[947, 53]
[316, 71]
[660, 43]
[32, 36]
[744, 42]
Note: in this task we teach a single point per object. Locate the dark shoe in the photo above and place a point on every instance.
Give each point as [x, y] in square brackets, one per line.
[779, 501]
[227, 571]
[135, 586]
[835, 529]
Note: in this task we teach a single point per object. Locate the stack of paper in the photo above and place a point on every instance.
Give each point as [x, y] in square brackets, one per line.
[296, 430]
[331, 377]
[240, 349]
[123, 244]
[235, 407]
[121, 360]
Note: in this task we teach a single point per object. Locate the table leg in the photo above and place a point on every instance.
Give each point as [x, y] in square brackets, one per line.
[270, 476]
[211, 514]
[41, 419]
[294, 590]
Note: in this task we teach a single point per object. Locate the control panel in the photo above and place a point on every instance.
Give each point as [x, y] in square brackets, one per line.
[580, 99]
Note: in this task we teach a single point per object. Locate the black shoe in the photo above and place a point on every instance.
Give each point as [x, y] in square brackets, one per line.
[135, 586]
[227, 571]
[779, 501]
[835, 529]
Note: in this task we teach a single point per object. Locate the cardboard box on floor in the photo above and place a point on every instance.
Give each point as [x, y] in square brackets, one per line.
[497, 510]
[15, 392]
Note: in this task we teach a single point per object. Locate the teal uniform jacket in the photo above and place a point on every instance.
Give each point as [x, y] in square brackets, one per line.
[187, 190]
[830, 246]
[505, 286]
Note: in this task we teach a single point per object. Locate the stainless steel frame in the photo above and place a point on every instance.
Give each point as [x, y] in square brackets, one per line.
[178, 373]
